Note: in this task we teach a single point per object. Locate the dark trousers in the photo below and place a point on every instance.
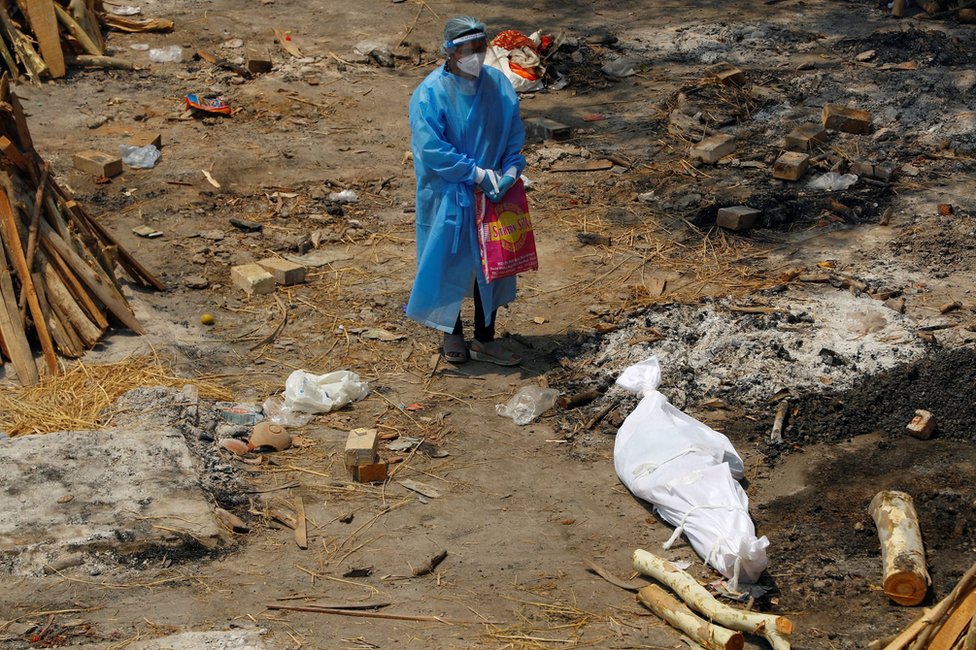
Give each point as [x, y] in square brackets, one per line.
[482, 333]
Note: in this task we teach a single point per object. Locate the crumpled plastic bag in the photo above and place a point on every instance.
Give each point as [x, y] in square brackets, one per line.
[168, 54]
[322, 393]
[621, 67]
[345, 196]
[276, 412]
[832, 181]
[689, 472]
[528, 404]
[141, 157]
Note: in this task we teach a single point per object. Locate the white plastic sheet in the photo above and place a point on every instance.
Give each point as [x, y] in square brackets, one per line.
[322, 393]
[689, 472]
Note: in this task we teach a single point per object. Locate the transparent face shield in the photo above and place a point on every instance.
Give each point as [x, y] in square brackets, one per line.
[468, 52]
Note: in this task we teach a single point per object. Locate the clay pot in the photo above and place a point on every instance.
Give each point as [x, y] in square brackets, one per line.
[270, 435]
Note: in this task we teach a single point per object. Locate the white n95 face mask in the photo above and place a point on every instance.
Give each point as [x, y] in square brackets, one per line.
[471, 64]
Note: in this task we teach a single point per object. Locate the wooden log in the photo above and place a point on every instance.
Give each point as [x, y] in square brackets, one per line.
[78, 292]
[64, 336]
[930, 617]
[83, 11]
[137, 271]
[77, 31]
[59, 296]
[136, 25]
[781, 410]
[14, 248]
[970, 641]
[8, 58]
[12, 328]
[33, 64]
[32, 231]
[99, 285]
[579, 399]
[21, 147]
[99, 61]
[680, 617]
[44, 23]
[905, 576]
[774, 628]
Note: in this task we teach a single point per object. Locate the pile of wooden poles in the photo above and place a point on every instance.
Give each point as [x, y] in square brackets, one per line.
[703, 619]
[948, 625]
[62, 290]
[41, 37]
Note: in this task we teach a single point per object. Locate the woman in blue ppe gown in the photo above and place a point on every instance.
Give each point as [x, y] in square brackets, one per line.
[465, 132]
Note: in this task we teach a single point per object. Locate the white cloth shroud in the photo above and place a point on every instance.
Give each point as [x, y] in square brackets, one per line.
[690, 473]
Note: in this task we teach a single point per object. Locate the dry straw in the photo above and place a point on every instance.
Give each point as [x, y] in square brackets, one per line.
[78, 399]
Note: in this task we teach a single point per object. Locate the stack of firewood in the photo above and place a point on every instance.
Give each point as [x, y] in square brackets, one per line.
[41, 37]
[948, 625]
[57, 263]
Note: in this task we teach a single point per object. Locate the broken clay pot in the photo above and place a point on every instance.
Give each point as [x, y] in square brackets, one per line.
[233, 445]
[270, 435]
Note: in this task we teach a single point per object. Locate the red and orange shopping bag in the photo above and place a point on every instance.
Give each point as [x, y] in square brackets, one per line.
[505, 234]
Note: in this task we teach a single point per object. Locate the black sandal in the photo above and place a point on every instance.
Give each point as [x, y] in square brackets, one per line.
[454, 348]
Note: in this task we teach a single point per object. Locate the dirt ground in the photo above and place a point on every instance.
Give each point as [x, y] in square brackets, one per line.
[519, 508]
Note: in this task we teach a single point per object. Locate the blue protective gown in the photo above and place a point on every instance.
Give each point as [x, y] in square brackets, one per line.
[456, 125]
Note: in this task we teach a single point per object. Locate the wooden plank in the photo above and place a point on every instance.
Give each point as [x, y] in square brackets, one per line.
[63, 302]
[138, 271]
[45, 25]
[78, 292]
[959, 618]
[12, 328]
[14, 155]
[64, 336]
[98, 285]
[15, 247]
[588, 166]
[26, 144]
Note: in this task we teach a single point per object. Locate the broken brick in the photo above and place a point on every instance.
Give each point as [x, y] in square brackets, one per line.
[922, 425]
[361, 447]
[713, 148]
[805, 137]
[738, 217]
[868, 170]
[372, 473]
[791, 166]
[97, 163]
[538, 129]
[258, 60]
[147, 138]
[848, 120]
[726, 74]
[252, 279]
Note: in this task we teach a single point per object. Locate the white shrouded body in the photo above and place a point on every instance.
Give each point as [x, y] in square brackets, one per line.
[689, 472]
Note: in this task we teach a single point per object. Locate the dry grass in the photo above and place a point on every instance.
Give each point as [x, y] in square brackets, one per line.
[77, 399]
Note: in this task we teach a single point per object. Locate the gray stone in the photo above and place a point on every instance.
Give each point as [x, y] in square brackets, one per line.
[196, 282]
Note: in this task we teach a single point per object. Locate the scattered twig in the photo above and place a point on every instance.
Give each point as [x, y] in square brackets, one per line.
[394, 617]
[430, 565]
